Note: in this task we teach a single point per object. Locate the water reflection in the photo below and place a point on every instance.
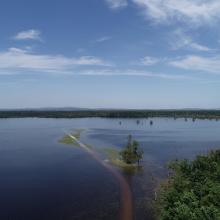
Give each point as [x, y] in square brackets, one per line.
[42, 179]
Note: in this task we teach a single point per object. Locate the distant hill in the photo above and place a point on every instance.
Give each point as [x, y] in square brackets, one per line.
[104, 109]
[46, 109]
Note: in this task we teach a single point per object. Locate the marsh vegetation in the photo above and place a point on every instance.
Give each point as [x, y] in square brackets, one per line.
[67, 139]
[132, 152]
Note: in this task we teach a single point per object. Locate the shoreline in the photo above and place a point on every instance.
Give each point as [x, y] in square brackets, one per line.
[117, 114]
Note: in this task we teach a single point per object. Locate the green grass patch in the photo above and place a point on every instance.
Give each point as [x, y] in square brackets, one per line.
[122, 164]
[70, 141]
[112, 153]
[115, 159]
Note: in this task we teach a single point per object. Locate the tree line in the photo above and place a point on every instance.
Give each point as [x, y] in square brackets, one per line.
[194, 114]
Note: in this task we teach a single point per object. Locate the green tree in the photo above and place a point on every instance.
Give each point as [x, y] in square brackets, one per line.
[132, 153]
[193, 191]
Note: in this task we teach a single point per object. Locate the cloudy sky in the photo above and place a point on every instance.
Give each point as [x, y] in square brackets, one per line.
[110, 53]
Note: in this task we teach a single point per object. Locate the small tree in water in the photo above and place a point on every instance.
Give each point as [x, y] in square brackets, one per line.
[132, 152]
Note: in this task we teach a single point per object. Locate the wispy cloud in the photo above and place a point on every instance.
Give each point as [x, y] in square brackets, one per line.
[149, 61]
[133, 72]
[103, 39]
[199, 47]
[180, 40]
[191, 11]
[198, 63]
[117, 4]
[15, 59]
[31, 34]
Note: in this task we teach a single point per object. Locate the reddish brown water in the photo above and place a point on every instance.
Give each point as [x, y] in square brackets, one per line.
[126, 206]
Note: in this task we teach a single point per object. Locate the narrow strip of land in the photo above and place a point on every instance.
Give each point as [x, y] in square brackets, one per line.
[126, 206]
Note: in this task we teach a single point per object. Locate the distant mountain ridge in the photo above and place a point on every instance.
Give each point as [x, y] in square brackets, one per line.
[46, 109]
[105, 109]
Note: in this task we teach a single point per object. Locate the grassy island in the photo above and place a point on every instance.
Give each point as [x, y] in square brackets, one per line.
[128, 158]
[68, 140]
[115, 159]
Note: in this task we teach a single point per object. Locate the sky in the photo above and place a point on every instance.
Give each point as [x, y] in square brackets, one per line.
[136, 54]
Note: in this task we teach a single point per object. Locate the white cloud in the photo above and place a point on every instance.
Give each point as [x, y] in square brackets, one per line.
[190, 11]
[198, 63]
[199, 47]
[117, 4]
[180, 40]
[15, 59]
[149, 61]
[31, 34]
[103, 39]
[133, 72]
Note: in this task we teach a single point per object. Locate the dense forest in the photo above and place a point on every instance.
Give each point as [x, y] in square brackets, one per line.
[193, 191]
[194, 114]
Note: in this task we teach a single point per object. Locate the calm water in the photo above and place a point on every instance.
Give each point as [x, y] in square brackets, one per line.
[41, 179]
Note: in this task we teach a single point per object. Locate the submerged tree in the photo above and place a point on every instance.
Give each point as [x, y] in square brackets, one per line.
[132, 152]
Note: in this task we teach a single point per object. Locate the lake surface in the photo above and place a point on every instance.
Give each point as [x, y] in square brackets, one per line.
[41, 179]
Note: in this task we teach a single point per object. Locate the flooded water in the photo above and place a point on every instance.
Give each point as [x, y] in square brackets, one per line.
[43, 179]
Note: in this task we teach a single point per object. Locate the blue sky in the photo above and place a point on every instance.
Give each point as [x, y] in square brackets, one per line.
[110, 53]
